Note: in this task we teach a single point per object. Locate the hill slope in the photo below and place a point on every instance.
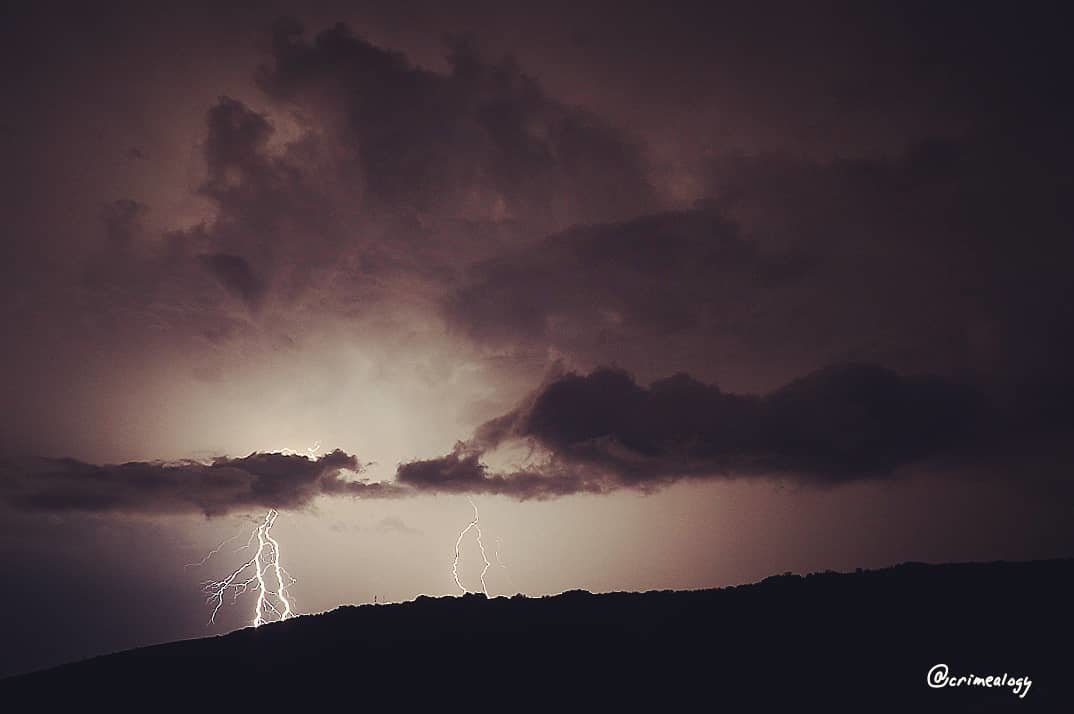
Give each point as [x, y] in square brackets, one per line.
[854, 642]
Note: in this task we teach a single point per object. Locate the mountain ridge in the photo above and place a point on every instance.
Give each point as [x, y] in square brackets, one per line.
[849, 641]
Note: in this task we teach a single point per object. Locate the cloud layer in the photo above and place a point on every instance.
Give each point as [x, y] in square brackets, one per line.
[223, 485]
[357, 196]
[598, 433]
[604, 431]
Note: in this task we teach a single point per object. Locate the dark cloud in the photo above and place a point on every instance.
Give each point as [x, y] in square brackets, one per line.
[604, 431]
[223, 485]
[649, 277]
[360, 169]
[481, 142]
[461, 471]
[237, 277]
[909, 260]
[273, 227]
[458, 471]
[366, 170]
[921, 260]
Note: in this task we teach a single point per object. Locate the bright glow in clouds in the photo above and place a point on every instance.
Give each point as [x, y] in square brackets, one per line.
[309, 453]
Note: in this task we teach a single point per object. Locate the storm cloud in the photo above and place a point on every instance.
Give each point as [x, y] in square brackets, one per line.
[534, 250]
[461, 471]
[223, 485]
[648, 278]
[359, 194]
[235, 274]
[482, 142]
[903, 260]
[593, 433]
[367, 170]
[604, 431]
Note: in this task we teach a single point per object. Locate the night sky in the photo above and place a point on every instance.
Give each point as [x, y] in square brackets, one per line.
[680, 296]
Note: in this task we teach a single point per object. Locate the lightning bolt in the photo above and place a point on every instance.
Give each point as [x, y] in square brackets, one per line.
[458, 545]
[268, 577]
[281, 590]
[272, 604]
[499, 542]
[211, 553]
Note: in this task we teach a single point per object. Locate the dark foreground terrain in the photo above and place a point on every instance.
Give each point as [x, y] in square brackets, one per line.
[827, 642]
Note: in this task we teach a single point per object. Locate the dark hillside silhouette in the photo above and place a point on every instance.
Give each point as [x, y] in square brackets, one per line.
[858, 642]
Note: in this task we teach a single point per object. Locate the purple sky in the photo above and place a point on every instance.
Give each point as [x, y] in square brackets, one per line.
[681, 297]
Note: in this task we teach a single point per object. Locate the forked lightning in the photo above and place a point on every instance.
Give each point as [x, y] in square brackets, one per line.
[458, 544]
[269, 578]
